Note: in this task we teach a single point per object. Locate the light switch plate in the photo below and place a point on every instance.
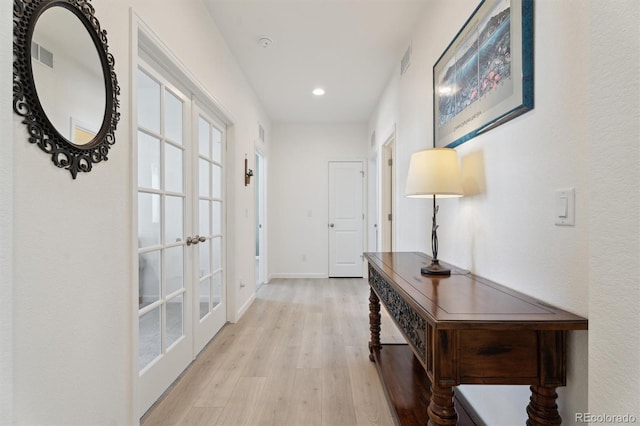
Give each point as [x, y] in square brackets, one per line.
[565, 211]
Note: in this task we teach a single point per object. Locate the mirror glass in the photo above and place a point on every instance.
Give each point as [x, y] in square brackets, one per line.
[68, 75]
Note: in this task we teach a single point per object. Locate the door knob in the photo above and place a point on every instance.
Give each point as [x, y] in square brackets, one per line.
[331, 225]
[195, 240]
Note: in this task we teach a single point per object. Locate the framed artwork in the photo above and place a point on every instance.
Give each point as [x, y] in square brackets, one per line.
[485, 76]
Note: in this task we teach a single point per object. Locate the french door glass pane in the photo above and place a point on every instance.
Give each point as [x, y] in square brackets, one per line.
[217, 182]
[216, 217]
[217, 289]
[149, 337]
[203, 138]
[217, 145]
[148, 102]
[173, 168]
[174, 274]
[204, 218]
[148, 161]
[150, 274]
[205, 293]
[217, 253]
[174, 219]
[148, 219]
[205, 177]
[173, 117]
[175, 309]
[204, 250]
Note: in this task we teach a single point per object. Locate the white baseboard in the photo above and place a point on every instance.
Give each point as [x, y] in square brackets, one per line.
[298, 276]
[244, 307]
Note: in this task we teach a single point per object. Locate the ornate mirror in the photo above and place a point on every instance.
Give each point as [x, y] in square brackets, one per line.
[64, 84]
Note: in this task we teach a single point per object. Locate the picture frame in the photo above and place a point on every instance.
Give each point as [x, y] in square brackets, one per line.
[484, 78]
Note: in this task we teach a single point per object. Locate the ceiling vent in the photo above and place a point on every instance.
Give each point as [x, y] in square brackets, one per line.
[406, 61]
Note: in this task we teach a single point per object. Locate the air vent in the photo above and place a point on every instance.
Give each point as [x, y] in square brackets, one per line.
[261, 132]
[373, 138]
[41, 54]
[406, 61]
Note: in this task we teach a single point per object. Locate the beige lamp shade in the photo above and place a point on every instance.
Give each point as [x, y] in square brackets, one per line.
[436, 172]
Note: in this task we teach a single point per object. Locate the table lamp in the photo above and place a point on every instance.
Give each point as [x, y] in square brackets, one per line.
[434, 173]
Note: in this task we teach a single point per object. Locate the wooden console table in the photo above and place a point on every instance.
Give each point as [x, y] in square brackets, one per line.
[462, 329]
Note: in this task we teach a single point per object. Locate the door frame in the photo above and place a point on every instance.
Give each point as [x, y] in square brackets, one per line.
[143, 38]
[261, 216]
[388, 193]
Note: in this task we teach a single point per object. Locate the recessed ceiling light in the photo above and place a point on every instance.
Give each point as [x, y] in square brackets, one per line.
[318, 91]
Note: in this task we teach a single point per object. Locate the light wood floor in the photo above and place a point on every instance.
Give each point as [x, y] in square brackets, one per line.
[297, 357]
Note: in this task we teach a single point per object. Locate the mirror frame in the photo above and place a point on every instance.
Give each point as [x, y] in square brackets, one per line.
[26, 103]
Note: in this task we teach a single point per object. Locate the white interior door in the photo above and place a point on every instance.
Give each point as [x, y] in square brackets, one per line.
[209, 217]
[346, 218]
[164, 291]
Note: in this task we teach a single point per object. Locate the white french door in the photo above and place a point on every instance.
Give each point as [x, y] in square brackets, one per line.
[165, 343]
[209, 216]
[181, 223]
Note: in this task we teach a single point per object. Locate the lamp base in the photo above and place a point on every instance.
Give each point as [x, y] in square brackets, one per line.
[435, 269]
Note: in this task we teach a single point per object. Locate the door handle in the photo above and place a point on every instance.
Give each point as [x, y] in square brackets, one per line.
[331, 225]
[196, 239]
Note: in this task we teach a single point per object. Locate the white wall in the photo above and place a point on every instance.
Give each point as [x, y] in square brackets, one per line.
[504, 228]
[298, 193]
[73, 359]
[6, 217]
[614, 213]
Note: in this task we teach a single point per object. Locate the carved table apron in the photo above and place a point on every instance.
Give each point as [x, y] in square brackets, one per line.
[464, 329]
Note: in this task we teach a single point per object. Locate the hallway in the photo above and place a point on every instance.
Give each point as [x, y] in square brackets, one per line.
[297, 357]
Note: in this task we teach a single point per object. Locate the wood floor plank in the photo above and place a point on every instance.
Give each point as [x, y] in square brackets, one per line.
[272, 404]
[201, 416]
[310, 355]
[337, 400]
[223, 381]
[306, 402]
[242, 402]
[369, 401]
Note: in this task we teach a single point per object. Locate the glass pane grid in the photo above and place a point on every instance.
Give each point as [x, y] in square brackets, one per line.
[162, 207]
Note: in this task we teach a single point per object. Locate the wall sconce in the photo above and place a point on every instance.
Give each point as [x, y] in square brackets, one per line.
[247, 172]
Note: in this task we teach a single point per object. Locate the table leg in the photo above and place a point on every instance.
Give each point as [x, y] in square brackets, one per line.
[374, 322]
[441, 410]
[542, 408]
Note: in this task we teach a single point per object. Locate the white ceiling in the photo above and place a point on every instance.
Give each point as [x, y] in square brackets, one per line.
[348, 47]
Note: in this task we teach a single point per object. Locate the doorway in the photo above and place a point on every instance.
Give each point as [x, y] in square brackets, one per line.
[181, 238]
[373, 211]
[388, 185]
[346, 218]
[261, 194]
